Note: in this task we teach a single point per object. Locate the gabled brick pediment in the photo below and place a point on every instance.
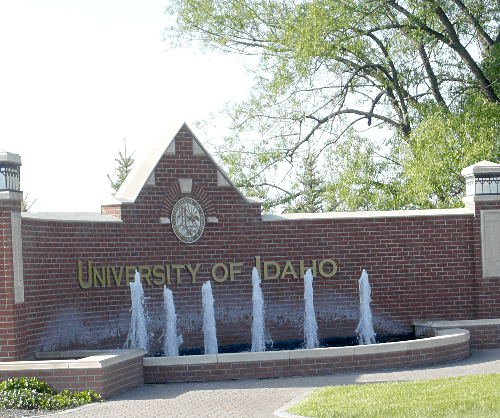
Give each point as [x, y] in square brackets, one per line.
[178, 165]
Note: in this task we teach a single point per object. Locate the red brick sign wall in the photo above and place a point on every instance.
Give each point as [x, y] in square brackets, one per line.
[420, 267]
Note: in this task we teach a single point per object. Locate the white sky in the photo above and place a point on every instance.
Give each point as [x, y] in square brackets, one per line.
[79, 76]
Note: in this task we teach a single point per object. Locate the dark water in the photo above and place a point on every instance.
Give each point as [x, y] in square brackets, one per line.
[290, 345]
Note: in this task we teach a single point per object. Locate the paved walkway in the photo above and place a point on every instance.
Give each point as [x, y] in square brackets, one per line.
[266, 398]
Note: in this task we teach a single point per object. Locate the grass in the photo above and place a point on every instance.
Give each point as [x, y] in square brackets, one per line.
[457, 397]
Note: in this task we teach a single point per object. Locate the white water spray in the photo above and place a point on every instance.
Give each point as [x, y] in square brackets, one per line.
[258, 342]
[137, 335]
[209, 331]
[366, 334]
[310, 325]
[172, 340]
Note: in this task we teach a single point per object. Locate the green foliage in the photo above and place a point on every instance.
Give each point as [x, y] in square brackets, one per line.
[125, 163]
[361, 177]
[26, 205]
[457, 397]
[309, 191]
[31, 393]
[444, 144]
[328, 72]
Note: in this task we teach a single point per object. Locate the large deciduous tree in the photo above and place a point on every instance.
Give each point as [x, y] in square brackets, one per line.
[386, 100]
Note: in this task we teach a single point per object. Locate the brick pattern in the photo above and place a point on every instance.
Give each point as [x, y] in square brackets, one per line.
[115, 211]
[13, 317]
[305, 367]
[484, 336]
[422, 267]
[107, 382]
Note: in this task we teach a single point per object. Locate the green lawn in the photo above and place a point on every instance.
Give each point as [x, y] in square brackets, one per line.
[470, 396]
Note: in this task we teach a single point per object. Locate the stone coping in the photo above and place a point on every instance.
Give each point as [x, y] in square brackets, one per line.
[8, 195]
[443, 338]
[97, 359]
[71, 217]
[456, 324]
[367, 214]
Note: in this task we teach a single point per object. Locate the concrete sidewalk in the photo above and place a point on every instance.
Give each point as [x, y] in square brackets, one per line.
[259, 398]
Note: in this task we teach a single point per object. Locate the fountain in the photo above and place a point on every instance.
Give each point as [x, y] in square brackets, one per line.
[209, 331]
[258, 342]
[310, 325]
[137, 336]
[172, 340]
[364, 330]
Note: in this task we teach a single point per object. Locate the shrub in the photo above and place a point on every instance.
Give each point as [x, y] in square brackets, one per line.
[31, 393]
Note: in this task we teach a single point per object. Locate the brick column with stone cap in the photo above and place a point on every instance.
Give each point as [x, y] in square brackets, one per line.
[12, 311]
[483, 197]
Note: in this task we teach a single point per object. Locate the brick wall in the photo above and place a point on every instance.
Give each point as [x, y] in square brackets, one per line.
[484, 333]
[107, 377]
[13, 317]
[420, 266]
[341, 360]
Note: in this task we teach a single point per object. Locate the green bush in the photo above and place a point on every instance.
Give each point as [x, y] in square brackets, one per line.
[31, 393]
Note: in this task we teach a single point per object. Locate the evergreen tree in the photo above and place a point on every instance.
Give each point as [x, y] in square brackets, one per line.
[124, 167]
[26, 205]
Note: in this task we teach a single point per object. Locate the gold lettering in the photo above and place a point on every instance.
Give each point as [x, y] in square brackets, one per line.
[303, 270]
[117, 278]
[178, 267]
[289, 270]
[160, 275]
[214, 272]
[101, 277]
[145, 273]
[80, 275]
[108, 277]
[276, 267]
[233, 270]
[193, 272]
[129, 274]
[322, 271]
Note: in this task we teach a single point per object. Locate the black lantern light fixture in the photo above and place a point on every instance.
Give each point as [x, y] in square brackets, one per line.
[10, 172]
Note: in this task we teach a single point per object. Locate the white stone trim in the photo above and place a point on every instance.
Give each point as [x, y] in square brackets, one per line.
[17, 255]
[7, 195]
[481, 198]
[170, 150]
[10, 157]
[98, 359]
[71, 217]
[197, 150]
[186, 185]
[366, 214]
[482, 167]
[490, 243]
[448, 337]
[151, 179]
[222, 180]
[456, 324]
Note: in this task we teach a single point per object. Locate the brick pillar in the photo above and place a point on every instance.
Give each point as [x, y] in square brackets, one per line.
[483, 196]
[13, 338]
